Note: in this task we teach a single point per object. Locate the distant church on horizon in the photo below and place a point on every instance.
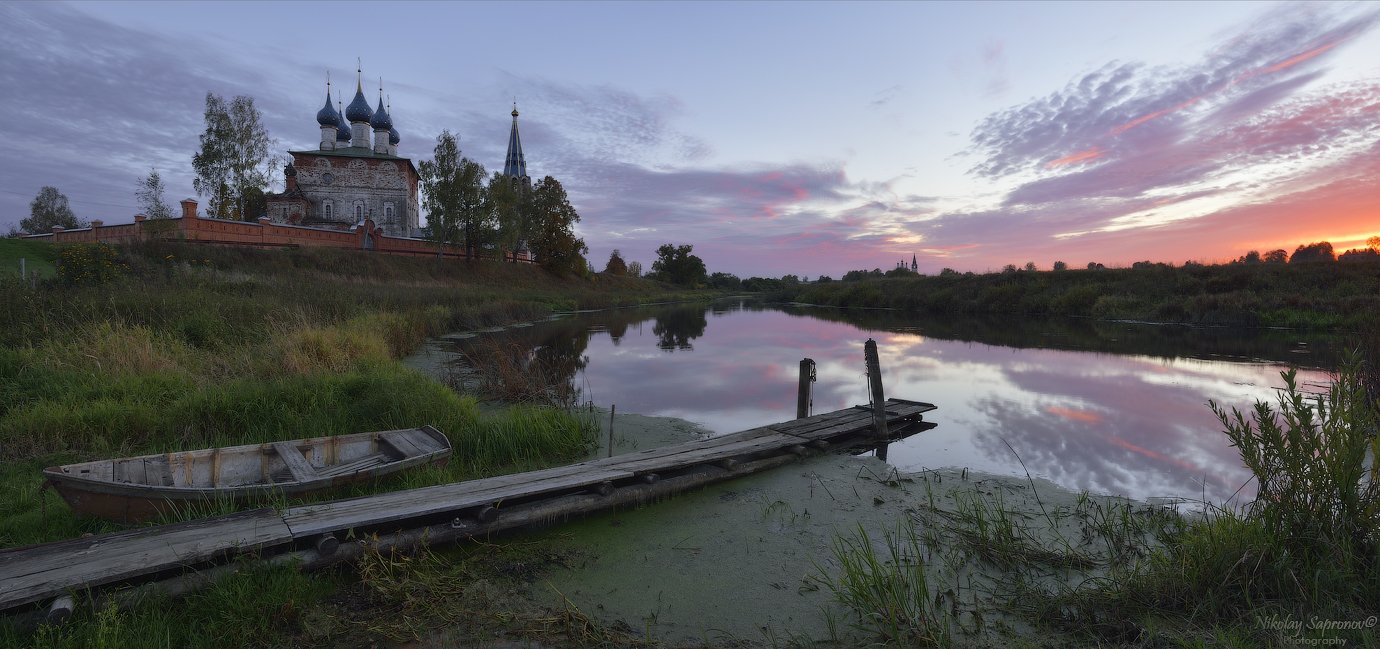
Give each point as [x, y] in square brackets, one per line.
[351, 177]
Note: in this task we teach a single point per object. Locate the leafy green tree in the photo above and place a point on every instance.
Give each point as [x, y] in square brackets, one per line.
[725, 281]
[616, 265]
[1277, 256]
[457, 206]
[149, 195]
[49, 208]
[1030, 266]
[1373, 243]
[635, 269]
[553, 220]
[511, 204]
[1252, 257]
[1313, 253]
[676, 265]
[1059, 265]
[234, 159]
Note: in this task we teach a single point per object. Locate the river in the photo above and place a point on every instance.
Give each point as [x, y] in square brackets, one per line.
[1118, 409]
[1108, 407]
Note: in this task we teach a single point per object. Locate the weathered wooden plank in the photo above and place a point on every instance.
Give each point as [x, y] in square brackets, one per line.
[295, 461]
[427, 501]
[852, 420]
[826, 430]
[350, 467]
[419, 438]
[156, 471]
[688, 457]
[129, 471]
[814, 420]
[399, 440]
[31, 574]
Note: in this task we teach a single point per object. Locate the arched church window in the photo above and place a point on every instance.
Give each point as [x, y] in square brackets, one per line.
[326, 210]
[359, 211]
[388, 211]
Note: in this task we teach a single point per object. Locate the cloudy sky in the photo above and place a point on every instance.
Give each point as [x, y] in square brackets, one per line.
[808, 138]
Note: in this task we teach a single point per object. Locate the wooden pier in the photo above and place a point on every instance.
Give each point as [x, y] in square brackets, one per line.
[31, 576]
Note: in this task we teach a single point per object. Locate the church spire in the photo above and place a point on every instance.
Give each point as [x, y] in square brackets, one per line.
[515, 166]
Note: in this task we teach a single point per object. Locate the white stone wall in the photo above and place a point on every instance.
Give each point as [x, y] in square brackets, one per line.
[328, 138]
[381, 141]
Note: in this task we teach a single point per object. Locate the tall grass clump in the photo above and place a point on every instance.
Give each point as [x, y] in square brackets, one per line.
[890, 596]
[514, 373]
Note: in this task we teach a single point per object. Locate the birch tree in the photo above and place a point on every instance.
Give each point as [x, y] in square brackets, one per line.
[234, 163]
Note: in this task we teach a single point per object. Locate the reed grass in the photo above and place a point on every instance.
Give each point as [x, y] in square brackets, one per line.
[890, 595]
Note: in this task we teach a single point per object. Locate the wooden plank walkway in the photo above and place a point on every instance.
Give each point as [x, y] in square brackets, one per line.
[36, 573]
[42, 571]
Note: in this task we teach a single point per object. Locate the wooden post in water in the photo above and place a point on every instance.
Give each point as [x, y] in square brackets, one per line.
[874, 384]
[612, 409]
[802, 399]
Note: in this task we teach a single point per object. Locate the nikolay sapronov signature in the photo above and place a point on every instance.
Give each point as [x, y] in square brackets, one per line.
[1293, 629]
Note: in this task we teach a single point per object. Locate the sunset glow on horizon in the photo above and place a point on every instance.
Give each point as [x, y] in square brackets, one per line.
[969, 136]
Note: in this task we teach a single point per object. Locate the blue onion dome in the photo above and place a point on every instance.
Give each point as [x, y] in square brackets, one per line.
[358, 110]
[380, 119]
[326, 116]
[393, 138]
[342, 129]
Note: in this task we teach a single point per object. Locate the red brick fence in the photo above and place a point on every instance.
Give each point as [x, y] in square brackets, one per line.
[263, 234]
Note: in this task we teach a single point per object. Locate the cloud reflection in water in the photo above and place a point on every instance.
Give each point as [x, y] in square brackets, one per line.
[1116, 411]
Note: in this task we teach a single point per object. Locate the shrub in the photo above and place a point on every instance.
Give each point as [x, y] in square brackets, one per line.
[1317, 494]
[89, 263]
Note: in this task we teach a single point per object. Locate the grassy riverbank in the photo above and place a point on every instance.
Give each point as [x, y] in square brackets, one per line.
[1299, 566]
[1316, 295]
[175, 346]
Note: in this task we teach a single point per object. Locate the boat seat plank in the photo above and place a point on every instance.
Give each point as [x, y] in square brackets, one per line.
[30, 574]
[399, 440]
[296, 462]
[420, 439]
[356, 465]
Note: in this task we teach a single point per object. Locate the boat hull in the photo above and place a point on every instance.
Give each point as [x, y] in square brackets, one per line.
[211, 479]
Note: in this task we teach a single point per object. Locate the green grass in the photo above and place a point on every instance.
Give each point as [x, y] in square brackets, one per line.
[38, 257]
[252, 608]
[890, 595]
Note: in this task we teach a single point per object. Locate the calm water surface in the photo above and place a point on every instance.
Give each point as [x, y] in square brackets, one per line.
[1113, 408]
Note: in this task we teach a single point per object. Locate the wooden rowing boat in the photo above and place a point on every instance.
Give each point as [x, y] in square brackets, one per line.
[139, 488]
